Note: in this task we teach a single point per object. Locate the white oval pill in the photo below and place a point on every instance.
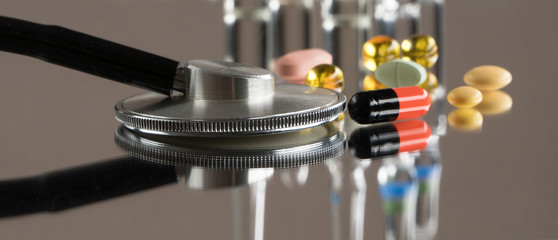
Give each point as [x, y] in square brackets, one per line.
[400, 73]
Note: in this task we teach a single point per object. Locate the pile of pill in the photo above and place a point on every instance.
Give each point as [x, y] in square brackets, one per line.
[482, 96]
[400, 65]
[382, 55]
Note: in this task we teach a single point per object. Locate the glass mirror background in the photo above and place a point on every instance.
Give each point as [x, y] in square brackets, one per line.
[499, 183]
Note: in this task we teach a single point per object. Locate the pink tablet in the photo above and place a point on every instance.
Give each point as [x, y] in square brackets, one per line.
[294, 66]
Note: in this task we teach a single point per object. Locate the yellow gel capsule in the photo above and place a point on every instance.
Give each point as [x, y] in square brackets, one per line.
[494, 102]
[378, 50]
[326, 76]
[370, 83]
[426, 62]
[421, 49]
[464, 97]
[419, 46]
[488, 77]
[430, 83]
[465, 119]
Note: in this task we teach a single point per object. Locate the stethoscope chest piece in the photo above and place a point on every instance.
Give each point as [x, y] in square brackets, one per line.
[226, 99]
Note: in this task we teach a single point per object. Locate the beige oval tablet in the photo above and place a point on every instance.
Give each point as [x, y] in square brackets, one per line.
[488, 77]
[464, 97]
[400, 73]
[494, 102]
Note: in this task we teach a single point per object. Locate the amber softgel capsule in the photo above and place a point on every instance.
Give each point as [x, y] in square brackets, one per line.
[378, 50]
[421, 49]
[370, 83]
[326, 76]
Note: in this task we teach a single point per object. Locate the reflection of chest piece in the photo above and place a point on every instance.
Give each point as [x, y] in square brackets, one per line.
[223, 98]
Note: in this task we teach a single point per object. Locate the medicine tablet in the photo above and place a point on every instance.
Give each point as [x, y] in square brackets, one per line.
[465, 119]
[488, 77]
[294, 66]
[464, 97]
[494, 102]
[400, 73]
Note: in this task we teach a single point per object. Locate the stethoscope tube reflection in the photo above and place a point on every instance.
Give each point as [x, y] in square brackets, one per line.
[60, 190]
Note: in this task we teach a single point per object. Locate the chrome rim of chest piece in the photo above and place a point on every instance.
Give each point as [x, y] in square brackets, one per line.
[226, 99]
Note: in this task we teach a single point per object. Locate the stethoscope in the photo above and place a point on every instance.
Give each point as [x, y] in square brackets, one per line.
[201, 98]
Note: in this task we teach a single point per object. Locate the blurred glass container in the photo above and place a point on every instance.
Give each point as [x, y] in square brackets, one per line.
[346, 27]
[402, 18]
[428, 166]
[259, 31]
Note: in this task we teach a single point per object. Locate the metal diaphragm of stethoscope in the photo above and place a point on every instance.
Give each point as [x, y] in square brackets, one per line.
[203, 98]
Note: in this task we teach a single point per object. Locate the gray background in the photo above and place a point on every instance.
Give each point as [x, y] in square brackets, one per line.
[498, 183]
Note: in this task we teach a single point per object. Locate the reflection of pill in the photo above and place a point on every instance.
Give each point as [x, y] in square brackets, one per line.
[400, 73]
[387, 139]
[294, 66]
[488, 77]
[464, 97]
[389, 104]
[465, 119]
[494, 102]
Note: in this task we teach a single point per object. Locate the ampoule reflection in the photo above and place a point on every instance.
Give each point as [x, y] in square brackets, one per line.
[428, 166]
[335, 168]
[397, 180]
[358, 198]
[393, 144]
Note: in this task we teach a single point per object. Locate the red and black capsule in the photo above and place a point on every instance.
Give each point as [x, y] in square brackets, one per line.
[389, 139]
[389, 104]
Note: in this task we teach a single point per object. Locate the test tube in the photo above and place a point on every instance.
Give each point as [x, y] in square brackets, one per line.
[246, 28]
[259, 31]
[346, 27]
[291, 25]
